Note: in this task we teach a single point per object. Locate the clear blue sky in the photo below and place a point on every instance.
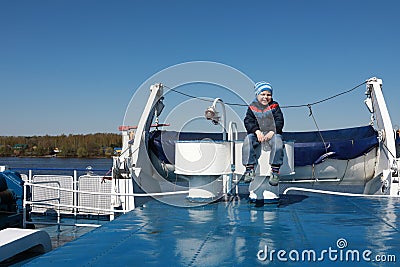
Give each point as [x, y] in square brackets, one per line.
[70, 66]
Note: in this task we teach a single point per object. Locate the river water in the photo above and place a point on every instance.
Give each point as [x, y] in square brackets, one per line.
[60, 165]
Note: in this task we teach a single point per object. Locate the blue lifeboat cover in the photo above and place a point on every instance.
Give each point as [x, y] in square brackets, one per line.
[342, 144]
[308, 146]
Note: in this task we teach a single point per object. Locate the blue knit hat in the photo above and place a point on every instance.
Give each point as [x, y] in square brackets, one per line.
[262, 86]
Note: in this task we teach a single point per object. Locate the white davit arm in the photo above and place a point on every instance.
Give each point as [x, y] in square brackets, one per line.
[139, 144]
[383, 124]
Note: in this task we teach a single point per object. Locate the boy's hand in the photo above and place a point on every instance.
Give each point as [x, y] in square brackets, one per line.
[260, 136]
[268, 136]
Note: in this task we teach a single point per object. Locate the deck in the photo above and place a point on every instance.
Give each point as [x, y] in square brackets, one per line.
[316, 229]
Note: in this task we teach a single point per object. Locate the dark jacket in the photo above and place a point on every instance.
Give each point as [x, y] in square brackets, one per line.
[264, 118]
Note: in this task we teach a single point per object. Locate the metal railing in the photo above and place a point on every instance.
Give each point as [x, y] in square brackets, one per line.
[60, 193]
[72, 199]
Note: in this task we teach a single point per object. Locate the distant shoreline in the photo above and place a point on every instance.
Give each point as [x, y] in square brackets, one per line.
[60, 157]
[100, 145]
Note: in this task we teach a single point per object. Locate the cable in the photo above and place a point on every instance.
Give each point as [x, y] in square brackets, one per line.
[316, 125]
[290, 106]
[190, 96]
[388, 149]
[325, 99]
[204, 99]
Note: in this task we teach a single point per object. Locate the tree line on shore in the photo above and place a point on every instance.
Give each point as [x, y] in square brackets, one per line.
[81, 145]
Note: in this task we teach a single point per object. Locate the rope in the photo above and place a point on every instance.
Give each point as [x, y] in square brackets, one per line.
[325, 99]
[290, 106]
[204, 99]
[309, 106]
[388, 149]
[190, 96]
[316, 125]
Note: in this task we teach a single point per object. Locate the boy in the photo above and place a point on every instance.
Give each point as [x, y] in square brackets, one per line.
[263, 122]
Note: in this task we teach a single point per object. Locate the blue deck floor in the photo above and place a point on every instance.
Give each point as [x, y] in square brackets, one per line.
[237, 233]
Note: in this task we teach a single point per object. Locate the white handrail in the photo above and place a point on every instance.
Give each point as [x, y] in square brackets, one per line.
[77, 207]
[223, 113]
[112, 194]
[232, 126]
[331, 192]
[65, 224]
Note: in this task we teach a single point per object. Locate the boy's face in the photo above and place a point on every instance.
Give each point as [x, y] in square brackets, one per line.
[264, 97]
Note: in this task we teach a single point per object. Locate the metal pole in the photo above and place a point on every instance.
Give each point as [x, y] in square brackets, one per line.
[24, 208]
[58, 211]
[75, 195]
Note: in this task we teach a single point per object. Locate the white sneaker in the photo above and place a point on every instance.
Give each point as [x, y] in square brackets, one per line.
[274, 179]
[249, 175]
